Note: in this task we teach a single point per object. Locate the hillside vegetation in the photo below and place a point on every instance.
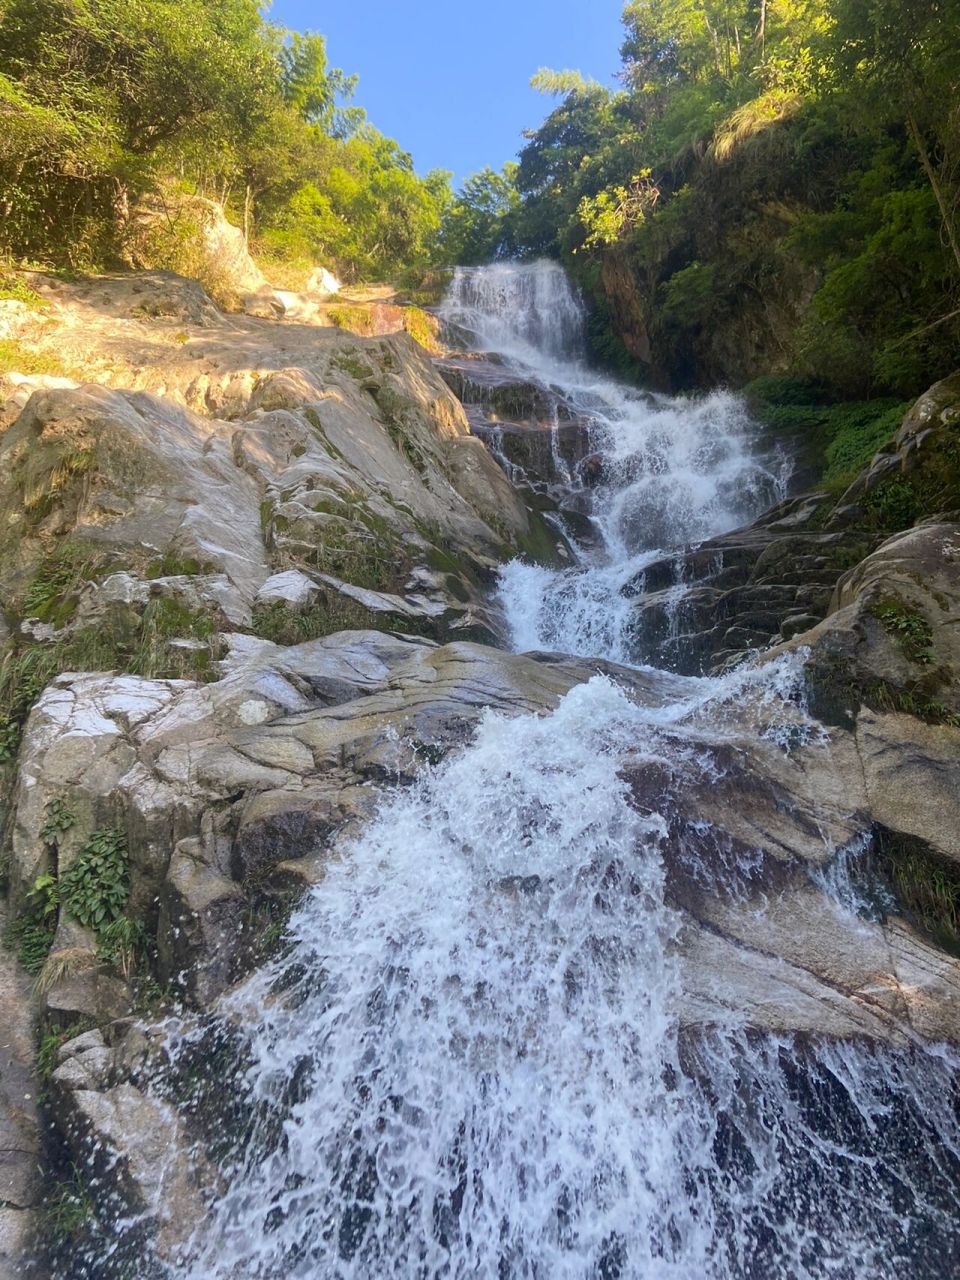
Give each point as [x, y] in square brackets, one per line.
[103, 101]
[773, 189]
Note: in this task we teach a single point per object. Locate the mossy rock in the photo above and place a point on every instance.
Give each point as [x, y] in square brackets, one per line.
[926, 885]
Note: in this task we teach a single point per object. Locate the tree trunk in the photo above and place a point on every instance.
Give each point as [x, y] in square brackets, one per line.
[247, 205]
[931, 173]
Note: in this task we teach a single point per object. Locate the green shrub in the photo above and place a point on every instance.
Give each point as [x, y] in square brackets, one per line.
[122, 943]
[894, 505]
[857, 433]
[95, 887]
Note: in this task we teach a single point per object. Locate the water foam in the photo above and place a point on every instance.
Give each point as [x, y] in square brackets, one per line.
[470, 1064]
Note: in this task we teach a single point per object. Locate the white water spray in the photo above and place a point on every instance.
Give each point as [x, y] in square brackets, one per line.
[471, 1064]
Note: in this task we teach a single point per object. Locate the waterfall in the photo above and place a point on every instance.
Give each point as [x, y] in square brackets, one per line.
[674, 470]
[471, 1063]
[528, 313]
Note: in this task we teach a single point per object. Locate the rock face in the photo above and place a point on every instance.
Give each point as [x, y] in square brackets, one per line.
[744, 590]
[20, 1135]
[360, 470]
[885, 664]
[542, 443]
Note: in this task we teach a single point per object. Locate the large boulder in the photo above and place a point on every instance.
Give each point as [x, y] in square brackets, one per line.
[884, 664]
[192, 235]
[918, 474]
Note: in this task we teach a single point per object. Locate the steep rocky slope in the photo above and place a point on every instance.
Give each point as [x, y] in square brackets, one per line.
[244, 577]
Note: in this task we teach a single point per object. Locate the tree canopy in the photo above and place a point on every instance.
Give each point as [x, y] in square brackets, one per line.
[101, 100]
[794, 156]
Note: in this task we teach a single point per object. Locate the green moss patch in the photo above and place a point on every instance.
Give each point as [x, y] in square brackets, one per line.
[282, 623]
[353, 366]
[423, 328]
[52, 593]
[17, 357]
[926, 885]
[14, 288]
[358, 320]
[908, 627]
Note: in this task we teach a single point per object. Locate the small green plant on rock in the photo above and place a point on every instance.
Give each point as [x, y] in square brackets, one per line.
[14, 288]
[354, 319]
[893, 505]
[9, 737]
[423, 328]
[45, 1061]
[33, 933]
[355, 368]
[50, 1044]
[928, 887]
[59, 575]
[58, 819]
[16, 357]
[912, 701]
[121, 943]
[908, 627]
[68, 1210]
[95, 887]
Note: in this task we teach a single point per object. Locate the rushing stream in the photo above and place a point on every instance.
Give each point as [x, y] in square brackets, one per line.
[675, 471]
[470, 1062]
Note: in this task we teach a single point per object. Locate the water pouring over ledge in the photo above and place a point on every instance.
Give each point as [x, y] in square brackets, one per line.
[477, 1058]
[673, 470]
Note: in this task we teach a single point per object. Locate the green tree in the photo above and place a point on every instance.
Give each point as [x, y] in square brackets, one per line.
[96, 89]
[477, 227]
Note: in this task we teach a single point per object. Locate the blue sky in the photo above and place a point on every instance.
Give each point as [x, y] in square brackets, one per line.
[449, 79]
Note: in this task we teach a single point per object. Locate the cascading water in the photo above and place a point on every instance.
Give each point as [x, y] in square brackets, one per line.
[675, 471]
[471, 1061]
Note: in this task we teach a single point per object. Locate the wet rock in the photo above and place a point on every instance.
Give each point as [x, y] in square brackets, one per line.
[20, 1127]
[805, 965]
[883, 664]
[134, 1147]
[713, 603]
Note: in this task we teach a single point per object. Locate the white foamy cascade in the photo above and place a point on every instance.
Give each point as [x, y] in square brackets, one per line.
[471, 1065]
[675, 470]
[525, 311]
